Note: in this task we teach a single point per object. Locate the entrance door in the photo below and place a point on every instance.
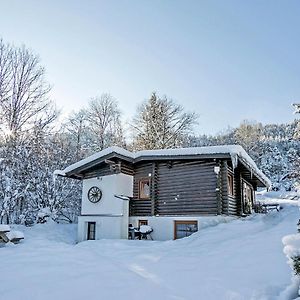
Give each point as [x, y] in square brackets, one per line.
[91, 231]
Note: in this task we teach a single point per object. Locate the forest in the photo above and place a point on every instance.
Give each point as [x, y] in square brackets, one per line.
[35, 140]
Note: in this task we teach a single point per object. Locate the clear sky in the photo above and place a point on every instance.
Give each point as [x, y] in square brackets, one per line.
[227, 60]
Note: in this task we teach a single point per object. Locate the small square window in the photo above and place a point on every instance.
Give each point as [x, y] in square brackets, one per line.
[144, 189]
[143, 222]
[184, 228]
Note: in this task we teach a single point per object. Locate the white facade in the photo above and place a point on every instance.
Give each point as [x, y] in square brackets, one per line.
[164, 227]
[110, 214]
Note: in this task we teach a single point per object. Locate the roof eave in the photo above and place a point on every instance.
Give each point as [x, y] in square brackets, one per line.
[95, 162]
[265, 182]
[182, 157]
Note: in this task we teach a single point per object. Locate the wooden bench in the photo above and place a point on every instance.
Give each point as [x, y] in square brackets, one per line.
[266, 207]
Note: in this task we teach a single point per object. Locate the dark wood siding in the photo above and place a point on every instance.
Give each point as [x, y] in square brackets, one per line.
[238, 190]
[187, 188]
[102, 170]
[177, 188]
[181, 187]
[127, 168]
[232, 201]
[141, 207]
[229, 202]
[105, 169]
[233, 204]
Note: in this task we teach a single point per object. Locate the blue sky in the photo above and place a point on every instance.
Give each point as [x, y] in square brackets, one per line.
[226, 60]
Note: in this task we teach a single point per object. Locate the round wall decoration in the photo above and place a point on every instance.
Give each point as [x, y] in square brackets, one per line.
[94, 194]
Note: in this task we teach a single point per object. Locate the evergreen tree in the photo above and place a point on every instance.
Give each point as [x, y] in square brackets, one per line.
[161, 123]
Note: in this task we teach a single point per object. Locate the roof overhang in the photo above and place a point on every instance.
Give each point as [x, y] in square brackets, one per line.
[233, 152]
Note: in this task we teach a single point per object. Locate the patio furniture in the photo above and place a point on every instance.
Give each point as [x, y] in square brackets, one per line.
[146, 231]
[133, 233]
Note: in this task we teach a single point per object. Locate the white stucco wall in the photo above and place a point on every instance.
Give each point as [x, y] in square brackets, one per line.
[110, 213]
[106, 227]
[110, 185]
[163, 227]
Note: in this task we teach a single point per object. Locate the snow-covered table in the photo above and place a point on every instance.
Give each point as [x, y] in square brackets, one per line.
[3, 230]
[7, 235]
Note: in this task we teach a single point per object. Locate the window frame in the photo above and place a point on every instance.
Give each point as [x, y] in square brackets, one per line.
[187, 222]
[230, 184]
[142, 222]
[140, 183]
[89, 231]
[248, 197]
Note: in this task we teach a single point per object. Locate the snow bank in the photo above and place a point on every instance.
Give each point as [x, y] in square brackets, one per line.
[235, 151]
[241, 259]
[278, 197]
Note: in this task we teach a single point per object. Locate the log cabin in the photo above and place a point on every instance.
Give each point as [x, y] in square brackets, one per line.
[174, 191]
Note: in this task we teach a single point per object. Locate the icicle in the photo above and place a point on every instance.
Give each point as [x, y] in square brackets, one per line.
[234, 160]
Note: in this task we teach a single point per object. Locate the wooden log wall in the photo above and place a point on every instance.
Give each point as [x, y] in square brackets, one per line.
[177, 188]
[105, 169]
[229, 202]
[181, 187]
[238, 191]
[141, 207]
[187, 188]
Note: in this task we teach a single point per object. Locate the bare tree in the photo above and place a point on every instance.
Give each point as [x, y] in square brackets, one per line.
[248, 134]
[78, 132]
[103, 116]
[161, 123]
[23, 90]
[6, 53]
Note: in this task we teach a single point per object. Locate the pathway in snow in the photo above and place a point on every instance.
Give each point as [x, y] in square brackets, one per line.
[239, 260]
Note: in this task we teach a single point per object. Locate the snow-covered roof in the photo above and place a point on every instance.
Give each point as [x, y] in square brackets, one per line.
[236, 152]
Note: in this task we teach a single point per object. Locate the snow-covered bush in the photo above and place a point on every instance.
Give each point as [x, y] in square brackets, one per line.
[296, 264]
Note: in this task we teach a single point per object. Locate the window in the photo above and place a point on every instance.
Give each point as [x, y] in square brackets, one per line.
[91, 231]
[143, 222]
[248, 198]
[144, 189]
[184, 228]
[230, 184]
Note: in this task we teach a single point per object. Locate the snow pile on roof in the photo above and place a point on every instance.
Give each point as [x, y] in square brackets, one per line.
[235, 151]
[4, 228]
[15, 235]
[59, 173]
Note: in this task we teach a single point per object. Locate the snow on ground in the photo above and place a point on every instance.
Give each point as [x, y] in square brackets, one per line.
[242, 259]
[282, 198]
